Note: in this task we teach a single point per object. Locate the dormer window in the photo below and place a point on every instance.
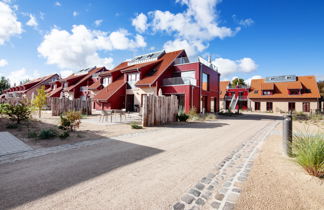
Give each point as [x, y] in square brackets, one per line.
[293, 92]
[266, 92]
[66, 84]
[133, 77]
[107, 81]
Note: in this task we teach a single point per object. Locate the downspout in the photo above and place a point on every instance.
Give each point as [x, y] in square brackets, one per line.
[200, 77]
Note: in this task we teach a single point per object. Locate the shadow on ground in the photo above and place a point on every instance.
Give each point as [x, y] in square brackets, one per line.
[200, 125]
[34, 178]
[248, 116]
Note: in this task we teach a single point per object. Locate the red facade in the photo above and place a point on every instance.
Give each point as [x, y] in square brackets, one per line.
[196, 85]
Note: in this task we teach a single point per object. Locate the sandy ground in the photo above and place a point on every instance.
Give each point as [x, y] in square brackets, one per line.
[90, 128]
[150, 170]
[277, 182]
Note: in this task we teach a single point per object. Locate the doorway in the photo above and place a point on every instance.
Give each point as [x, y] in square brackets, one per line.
[130, 103]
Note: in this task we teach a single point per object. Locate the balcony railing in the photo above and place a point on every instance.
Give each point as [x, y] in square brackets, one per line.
[179, 81]
[242, 98]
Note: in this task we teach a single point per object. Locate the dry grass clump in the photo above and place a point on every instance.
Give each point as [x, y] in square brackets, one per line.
[309, 153]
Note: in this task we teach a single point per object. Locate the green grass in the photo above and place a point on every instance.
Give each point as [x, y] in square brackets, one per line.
[309, 153]
[135, 125]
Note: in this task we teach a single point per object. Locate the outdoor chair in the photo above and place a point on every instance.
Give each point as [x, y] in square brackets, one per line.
[104, 115]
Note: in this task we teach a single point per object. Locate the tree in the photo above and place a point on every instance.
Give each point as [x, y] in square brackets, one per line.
[18, 112]
[237, 81]
[24, 81]
[4, 84]
[321, 87]
[40, 100]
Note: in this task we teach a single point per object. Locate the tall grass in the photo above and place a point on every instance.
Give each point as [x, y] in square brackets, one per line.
[309, 152]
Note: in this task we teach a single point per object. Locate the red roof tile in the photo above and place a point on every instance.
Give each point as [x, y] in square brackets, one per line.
[95, 85]
[308, 82]
[166, 60]
[111, 89]
[53, 92]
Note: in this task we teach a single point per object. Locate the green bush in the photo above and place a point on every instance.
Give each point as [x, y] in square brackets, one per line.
[309, 152]
[182, 117]
[32, 134]
[64, 135]
[135, 125]
[18, 112]
[3, 108]
[47, 134]
[70, 120]
[12, 126]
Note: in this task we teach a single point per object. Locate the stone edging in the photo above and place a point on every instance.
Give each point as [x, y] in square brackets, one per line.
[221, 188]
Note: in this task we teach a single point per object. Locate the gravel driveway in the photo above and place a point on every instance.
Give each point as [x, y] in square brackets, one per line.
[145, 171]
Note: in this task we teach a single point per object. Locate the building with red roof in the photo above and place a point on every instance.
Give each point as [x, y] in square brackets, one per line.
[196, 84]
[228, 93]
[28, 90]
[76, 85]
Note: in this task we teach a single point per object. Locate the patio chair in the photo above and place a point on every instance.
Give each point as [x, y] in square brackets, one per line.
[104, 115]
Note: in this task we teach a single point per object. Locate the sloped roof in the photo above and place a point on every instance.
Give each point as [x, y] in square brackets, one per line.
[223, 86]
[89, 75]
[267, 86]
[165, 61]
[281, 90]
[110, 90]
[53, 92]
[95, 85]
[37, 81]
[117, 68]
[140, 65]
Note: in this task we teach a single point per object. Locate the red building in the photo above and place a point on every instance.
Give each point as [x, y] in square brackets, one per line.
[195, 84]
[28, 90]
[237, 95]
[77, 84]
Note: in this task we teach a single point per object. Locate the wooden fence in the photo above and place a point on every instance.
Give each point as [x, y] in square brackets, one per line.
[159, 110]
[61, 105]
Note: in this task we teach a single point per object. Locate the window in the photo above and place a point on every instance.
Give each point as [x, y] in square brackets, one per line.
[269, 106]
[256, 92]
[306, 107]
[107, 81]
[266, 92]
[133, 77]
[66, 84]
[83, 88]
[205, 82]
[293, 92]
[257, 106]
[291, 106]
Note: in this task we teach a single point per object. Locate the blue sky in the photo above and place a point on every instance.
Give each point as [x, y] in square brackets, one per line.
[245, 38]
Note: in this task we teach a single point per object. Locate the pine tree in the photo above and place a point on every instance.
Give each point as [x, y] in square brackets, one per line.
[40, 100]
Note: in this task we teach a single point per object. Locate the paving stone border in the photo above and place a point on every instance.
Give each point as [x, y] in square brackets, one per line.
[221, 188]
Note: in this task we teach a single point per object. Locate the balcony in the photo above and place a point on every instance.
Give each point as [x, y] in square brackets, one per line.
[241, 98]
[181, 60]
[179, 81]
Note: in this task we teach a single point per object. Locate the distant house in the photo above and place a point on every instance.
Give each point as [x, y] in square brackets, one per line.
[229, 93]
[28, 90]
[76, 85]
[195, 84]
[284, 93]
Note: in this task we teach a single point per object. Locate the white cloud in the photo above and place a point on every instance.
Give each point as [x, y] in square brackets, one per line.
[75, 13]
[191, 47]
[66, 73]
[32, 21]
[79, 49]
[197, 25]
[228, 66]
[246, 22]
[9, 26]
[140, 23]
[3, 62]
[248, 81]
[98, 22]
[22, 74]
[58, 4]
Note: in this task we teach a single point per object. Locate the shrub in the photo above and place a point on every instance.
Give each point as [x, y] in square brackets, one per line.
[64, 135]
[135, 125]
[210, 117]
[182, 117]
[18, 112]
[32, 134]
[70, 120]
[309, 153]
[47, 134]
[3, 108]
[316, 117]
[193, 115]
[12, 126]
[300, 116]
[40, 100]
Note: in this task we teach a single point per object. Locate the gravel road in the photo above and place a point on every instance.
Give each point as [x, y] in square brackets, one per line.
[145, 171]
